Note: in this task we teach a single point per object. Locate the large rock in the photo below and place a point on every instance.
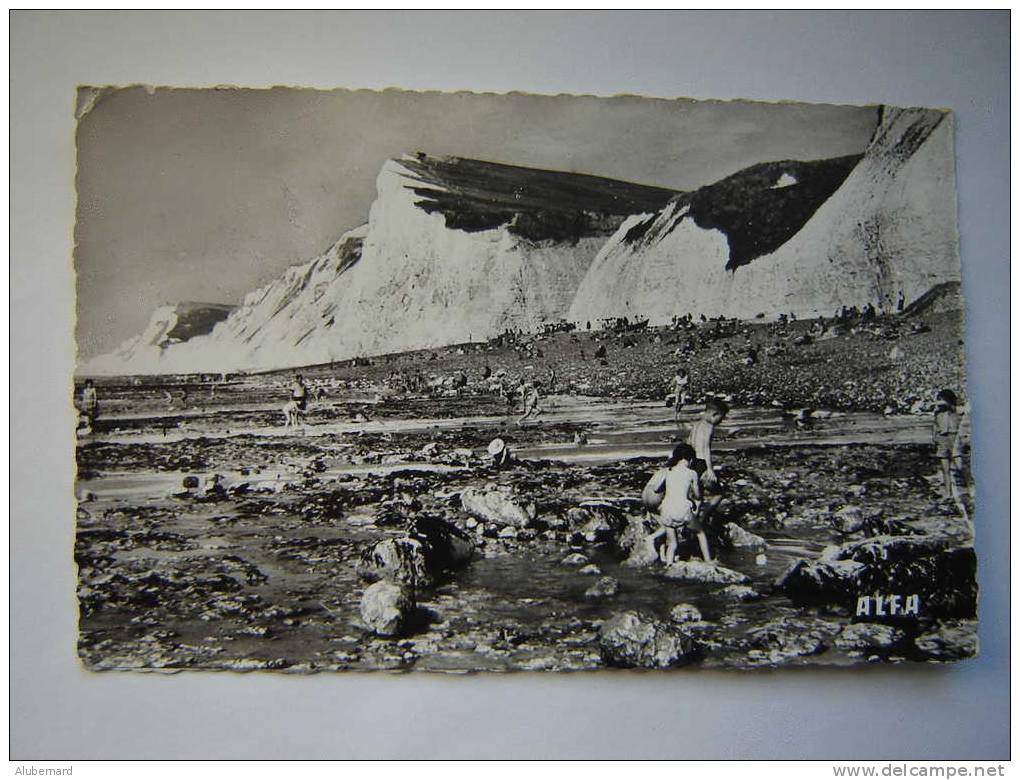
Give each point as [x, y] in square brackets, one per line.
[635, 640]
[402, 560]
[597, 521]
[430, 548]
[940, 574]
[784, 639]
[387, 607]
[700, 571]
[496, 505]
[633, 542]
[733, 535]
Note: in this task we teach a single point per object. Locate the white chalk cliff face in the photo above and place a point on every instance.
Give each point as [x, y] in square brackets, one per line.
[454, 250]
[888, 227]
[458, 250]
[169, 327]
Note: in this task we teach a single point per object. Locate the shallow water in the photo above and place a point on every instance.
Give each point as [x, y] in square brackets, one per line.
[516, 606]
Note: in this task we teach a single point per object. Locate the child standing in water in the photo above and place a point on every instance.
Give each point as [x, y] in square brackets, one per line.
[946, 437]
[700, 438]
[679, 484]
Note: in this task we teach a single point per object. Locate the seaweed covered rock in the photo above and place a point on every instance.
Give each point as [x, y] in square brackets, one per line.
[603, 588]
[493, 504]
[938, 574]
[430, 548]
[951, 640]
[597, 521]
[788, 638]
[387, 608]
[635, 640]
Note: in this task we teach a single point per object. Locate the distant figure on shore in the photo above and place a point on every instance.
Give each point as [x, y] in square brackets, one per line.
[946, 437]
[681, 392]
[678, 484]
[298, 404]
[700, 439]
[531, 398]
[90, 402]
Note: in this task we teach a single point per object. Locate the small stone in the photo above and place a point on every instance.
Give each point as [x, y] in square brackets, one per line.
[739, 593]
[685, 613]
[604, 587]
[591, 568]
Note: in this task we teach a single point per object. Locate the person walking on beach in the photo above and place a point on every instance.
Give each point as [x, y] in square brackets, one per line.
[700, 438]
[946, 437]
[681, 395]
[90, 402]
[530, 394]
[298, 403]
[678, 484]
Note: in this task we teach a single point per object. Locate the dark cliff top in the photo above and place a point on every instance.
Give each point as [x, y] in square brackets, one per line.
[535, 204]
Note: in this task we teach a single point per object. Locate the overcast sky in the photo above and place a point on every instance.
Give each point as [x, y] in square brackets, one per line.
[204, 195]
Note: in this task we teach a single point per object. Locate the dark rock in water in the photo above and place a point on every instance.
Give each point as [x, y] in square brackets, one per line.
[447, 547]
[733, 535]
[604, 587]
[633, 542]
[191, 482]
[387, 608]
[953, 640]
[402, 560]
[869, 637]
[495, 505]
[787, 638]
[685, 613]
[597, 521]
[939, 574]
[430, 548]
[635, 640]
[848, 520]
[700, 571]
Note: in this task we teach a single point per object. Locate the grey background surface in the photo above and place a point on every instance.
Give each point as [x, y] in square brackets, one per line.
[58, 711]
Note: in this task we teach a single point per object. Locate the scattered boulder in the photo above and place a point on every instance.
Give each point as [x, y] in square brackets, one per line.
[700, 571]
[591, 568]
[604, 587]
[597, 521]
[631, 639]
[866, 637]
[848, 520]
[402, 560]
[685, 613]
[739, 593]
[387, 607]
[493, 504]
[954, 640]
[431, 547]
[788, 638]
[735, 536]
